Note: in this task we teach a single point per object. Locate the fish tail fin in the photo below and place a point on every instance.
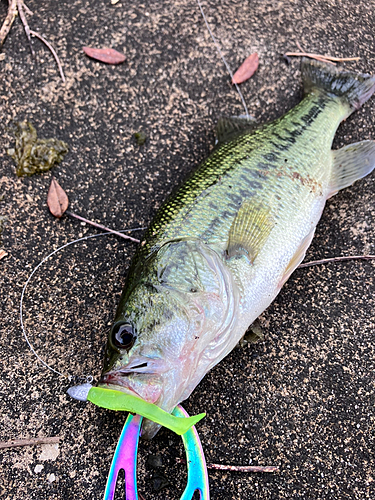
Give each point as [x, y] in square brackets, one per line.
[354, 88]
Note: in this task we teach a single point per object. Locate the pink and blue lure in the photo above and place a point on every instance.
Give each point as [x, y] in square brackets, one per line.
[125, 458]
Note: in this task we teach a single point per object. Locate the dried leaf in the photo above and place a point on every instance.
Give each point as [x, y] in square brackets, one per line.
[3, 254]
[247, 69]
[57, 199]
[108, 56]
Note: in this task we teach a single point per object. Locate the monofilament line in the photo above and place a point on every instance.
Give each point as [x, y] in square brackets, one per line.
[28, 281]
[224, 60]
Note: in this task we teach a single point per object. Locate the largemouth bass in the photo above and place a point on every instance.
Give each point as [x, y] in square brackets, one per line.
[221, 247]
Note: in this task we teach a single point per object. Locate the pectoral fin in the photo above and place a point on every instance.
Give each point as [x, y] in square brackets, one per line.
[249, 230]
[351, 163]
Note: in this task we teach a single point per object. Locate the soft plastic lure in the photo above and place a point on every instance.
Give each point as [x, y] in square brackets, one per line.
[117, 400]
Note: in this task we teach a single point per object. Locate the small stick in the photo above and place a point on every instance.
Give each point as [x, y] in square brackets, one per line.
[29, 442]
[75, 216]
[319, 56]
[11, 16]
[25, 25]
[299, 46]
[244, 468]
[34, 33]
[27, 10]
[336, 259]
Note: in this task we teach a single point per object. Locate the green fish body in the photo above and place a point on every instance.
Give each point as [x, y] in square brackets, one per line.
[219, 250]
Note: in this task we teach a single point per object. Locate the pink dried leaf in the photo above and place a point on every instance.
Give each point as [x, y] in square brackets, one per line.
[57, 199]
[247, 69]
[108, 56]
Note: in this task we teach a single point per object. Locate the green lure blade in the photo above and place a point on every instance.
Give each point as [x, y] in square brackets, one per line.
[119, 401]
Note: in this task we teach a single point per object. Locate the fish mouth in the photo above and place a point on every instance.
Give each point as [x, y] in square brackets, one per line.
[118, 381]
[147, 388]
[114, 381]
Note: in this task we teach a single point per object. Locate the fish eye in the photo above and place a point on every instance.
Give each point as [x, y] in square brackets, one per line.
[123, 335]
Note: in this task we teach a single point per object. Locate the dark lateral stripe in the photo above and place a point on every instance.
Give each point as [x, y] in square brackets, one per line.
[311, 116]
[264, 166]
[235, 198]
[287, 141]
[213, 225]
[248, 181]
[271, 157]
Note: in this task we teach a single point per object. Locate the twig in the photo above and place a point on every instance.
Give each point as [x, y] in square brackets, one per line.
[75, 216]
[34, 33]
[299, 46]
[29, 442]
[11, 16]
[244, 468]
[319, 57]
[141, 497]
[19, 6]
[336, 259]
[21, 12]
[27, 10]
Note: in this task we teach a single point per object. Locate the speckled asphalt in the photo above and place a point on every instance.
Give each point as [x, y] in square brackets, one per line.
[302, 398]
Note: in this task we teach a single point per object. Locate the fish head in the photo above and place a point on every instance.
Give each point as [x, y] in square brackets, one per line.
[163, 339]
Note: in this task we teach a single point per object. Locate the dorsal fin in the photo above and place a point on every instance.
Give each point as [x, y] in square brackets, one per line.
[249, 230]
[228, 128]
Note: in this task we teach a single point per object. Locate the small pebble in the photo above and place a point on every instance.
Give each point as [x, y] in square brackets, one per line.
[38, 468]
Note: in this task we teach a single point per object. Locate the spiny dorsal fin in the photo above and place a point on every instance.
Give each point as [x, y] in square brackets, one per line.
[351, 163]
[249, 230]
[228, 128]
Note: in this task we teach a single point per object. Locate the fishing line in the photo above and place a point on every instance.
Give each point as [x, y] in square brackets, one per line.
[88, 378]
[46, 365]
[224, 60]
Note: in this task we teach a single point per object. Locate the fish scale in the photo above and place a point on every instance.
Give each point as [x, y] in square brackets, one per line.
[220, 248]
[228, 174]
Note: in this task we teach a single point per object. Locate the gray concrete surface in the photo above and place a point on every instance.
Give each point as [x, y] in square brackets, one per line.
[303, 398]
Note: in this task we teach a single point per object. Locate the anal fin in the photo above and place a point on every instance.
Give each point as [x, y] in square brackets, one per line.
[351, 163]
[250, 230]
[297, 257]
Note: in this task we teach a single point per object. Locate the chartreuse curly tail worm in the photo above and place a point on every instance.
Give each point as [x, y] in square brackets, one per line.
[117, 400]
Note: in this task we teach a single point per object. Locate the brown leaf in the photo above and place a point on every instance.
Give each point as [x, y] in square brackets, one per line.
[57, 199]
[247, 69]
[108, 56]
